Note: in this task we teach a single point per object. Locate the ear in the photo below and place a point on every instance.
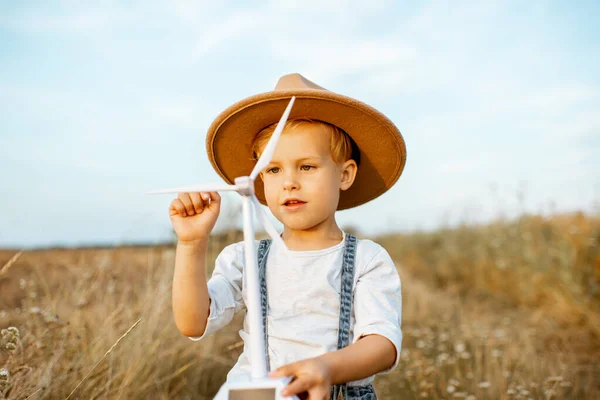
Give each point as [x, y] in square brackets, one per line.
[349, 170]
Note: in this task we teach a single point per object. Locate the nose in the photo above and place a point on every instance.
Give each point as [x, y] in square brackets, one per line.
[291, 182]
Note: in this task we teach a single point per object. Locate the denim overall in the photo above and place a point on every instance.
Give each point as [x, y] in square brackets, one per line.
[347, 278]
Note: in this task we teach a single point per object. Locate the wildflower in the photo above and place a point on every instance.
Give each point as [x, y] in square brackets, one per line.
[424, 394]
[484, 385]
[450, 389]
[22, 283]
[3, 314]
[49, 318]
[420, 344]
[14, 331]
[3, 379]
[454, 382]
[459, 347]
[465, 355]
[10, 338]
[441, 358]
[35, 310]
[405, 354]
[510, 392]
[444, 337]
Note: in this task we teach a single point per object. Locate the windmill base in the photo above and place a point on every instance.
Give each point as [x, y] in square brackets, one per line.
[255, 389]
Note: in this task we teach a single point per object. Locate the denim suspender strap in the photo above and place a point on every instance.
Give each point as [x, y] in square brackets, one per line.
[263, 250]
[346, 284]
[346, 298]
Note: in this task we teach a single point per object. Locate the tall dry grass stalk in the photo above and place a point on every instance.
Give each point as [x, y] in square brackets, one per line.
[10, 262]
[503, 311]
[104, 356]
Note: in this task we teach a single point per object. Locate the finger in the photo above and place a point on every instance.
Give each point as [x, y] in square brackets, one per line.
[197, 202]
[297, 386]
[286, 370]
[187, 203]
[177, 208]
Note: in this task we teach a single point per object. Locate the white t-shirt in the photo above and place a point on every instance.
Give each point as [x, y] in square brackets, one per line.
[304, 301]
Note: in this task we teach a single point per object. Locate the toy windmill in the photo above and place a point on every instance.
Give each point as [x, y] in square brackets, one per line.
[260, 386]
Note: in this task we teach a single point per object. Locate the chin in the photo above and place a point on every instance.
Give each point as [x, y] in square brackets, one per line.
[301, 223]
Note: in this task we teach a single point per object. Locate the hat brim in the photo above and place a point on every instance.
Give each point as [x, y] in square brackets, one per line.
[382, 148]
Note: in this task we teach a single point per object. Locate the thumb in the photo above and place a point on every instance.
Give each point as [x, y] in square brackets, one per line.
[215, 200]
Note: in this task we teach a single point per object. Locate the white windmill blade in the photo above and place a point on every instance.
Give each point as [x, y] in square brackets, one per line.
[211, 187]
[264, 221]
[265, 157]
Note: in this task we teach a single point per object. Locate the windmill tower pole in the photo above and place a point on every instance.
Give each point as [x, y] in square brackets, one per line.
[257, 340]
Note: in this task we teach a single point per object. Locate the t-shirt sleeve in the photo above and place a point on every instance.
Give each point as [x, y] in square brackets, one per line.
[378, 302]
[225, 289]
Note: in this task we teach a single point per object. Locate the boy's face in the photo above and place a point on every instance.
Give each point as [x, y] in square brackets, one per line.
[303, 182]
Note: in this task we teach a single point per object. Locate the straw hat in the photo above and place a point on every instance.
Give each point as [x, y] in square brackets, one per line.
[382, 149]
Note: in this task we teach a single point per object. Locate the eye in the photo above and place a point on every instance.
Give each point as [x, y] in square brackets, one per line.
[273, 170]
[307, 167]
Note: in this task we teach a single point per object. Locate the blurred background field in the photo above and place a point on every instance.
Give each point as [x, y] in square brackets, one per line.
[507, 310]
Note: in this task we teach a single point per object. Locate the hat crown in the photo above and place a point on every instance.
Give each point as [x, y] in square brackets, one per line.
[295, 82]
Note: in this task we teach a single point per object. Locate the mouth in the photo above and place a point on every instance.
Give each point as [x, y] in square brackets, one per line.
[293, 203]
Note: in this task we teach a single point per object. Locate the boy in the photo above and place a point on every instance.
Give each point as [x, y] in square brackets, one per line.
[332, 303]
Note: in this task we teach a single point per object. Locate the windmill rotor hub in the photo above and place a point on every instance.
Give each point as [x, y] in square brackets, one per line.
[245, 185]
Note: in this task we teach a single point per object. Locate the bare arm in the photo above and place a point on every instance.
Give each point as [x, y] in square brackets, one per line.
[190, 293]
[369, 355]
[193, 216]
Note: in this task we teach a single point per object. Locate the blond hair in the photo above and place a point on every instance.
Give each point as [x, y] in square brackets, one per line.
[342, 146]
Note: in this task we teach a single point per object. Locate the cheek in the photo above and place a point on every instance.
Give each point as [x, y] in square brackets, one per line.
[326, 188]
[270, 190]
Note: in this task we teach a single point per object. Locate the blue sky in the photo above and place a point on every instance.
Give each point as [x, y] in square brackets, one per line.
[100, 103]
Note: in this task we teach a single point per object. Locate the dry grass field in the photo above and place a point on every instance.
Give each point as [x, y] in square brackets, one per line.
[509, 310]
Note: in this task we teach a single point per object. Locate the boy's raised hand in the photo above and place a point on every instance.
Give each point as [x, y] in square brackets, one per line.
[193, 215]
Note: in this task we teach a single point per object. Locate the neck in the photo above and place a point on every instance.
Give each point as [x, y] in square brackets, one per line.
[321, 236]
